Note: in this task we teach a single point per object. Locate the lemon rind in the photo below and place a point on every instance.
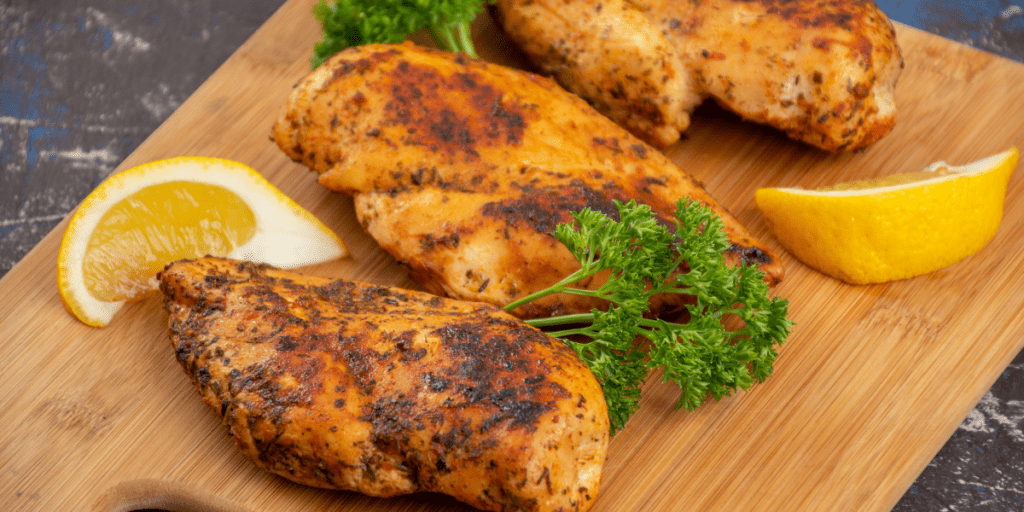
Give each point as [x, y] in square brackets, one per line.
[292, 241]
[995, 170]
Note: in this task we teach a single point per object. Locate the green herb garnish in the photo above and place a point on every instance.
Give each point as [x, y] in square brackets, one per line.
[644, 258]
[355, 22]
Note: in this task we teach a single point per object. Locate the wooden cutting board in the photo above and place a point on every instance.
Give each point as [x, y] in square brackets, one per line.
[872, 382]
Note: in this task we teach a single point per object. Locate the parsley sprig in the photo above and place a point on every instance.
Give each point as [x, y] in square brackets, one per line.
[643, 259]
[356, 22]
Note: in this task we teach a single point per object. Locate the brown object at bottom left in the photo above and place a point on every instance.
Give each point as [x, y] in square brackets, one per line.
[385, 391]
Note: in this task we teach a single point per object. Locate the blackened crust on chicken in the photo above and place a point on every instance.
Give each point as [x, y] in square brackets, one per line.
[384, 391]
[462, 169]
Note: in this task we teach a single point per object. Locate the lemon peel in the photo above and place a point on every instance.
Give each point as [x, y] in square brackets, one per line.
[137, 221]
[894, 227]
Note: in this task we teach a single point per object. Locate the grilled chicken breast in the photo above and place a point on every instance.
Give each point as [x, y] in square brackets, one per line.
[823, 72]
[384, 391]
[461, 169]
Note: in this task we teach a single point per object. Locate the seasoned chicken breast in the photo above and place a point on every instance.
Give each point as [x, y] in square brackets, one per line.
[384, 391]
[823, 72]
[461, 169]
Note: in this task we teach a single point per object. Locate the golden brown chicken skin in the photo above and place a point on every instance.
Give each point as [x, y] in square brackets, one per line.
[384, 391]
[461, 169]
[822, 71]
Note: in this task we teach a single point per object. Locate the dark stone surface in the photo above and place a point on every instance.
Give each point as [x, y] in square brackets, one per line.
[981, 467]
[84, 82]
[996, 26]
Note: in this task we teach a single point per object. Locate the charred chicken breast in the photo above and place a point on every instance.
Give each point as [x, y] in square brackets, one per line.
[342, 385]
[461, 169]
[822, 71]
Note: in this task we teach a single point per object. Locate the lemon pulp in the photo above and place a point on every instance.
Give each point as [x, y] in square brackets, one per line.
[886, 181]
[161, 223]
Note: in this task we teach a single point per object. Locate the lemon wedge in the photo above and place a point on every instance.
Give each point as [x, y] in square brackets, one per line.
[139, 220]
[894, 227]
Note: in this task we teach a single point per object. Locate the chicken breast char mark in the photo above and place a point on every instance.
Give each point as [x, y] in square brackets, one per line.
[344, 385]
[462, 168]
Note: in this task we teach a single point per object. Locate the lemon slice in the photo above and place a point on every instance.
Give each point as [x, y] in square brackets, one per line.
[139, 220]
[893, 227]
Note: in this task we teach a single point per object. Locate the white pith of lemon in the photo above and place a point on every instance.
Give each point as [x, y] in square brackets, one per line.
[894, 227]
[137, 221]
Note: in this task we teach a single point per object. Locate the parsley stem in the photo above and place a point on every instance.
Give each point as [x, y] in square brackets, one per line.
[559, 287]
[577, 318]
[465, 41]
[652, 323]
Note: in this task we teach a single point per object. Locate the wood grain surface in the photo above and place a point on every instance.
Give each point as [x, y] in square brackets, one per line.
[872, 382]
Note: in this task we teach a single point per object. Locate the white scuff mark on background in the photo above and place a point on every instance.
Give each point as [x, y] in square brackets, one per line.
[122, 40]
[80, 158]
[1011, 11]
[993, 491]
[130, 42]
[976, 420]
[17, 121]
[160, 103]
[31, 220]
[990, 416]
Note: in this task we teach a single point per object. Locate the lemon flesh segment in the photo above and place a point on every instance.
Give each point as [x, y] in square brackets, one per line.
[139, 235]
[137, 221]
[895, 227]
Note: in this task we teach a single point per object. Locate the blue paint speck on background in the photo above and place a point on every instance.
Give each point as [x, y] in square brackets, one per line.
[103, 38]
[41, 140]
[899, 10]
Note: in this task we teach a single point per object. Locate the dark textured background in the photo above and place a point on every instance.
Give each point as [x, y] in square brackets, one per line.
[84, 82]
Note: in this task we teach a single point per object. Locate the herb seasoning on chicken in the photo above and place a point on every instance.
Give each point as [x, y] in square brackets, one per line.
[822, 71]
[384, 391]
[461, 169]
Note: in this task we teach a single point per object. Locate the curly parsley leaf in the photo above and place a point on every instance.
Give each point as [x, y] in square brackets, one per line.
[643, 258]
[356, 22]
